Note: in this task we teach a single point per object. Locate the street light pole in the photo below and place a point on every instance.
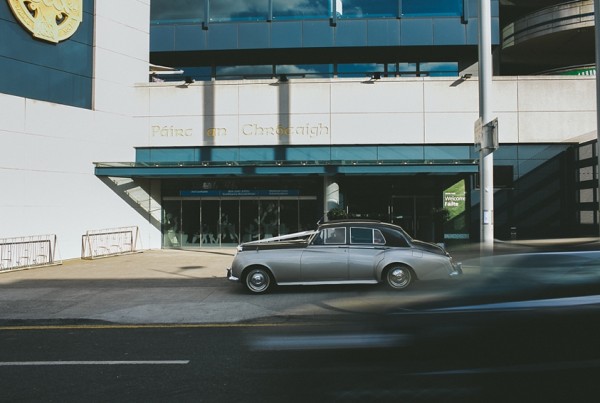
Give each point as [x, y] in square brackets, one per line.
[486, 156]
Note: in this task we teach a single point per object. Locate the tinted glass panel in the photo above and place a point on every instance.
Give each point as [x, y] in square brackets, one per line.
[366, 8]
[306, 70]
[301, 9]
[440, 69]
[241, 72]
[176, 10]
[359, 70]
[432, 7]
[236, 10]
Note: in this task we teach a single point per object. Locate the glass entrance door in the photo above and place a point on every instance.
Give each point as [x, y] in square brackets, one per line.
[415, 215]
[210, 222]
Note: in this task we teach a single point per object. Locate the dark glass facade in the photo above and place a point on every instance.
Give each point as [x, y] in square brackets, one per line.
[214, 39]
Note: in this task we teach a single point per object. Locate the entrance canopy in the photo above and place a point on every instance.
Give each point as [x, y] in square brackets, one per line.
[293, 160]
[166, 170]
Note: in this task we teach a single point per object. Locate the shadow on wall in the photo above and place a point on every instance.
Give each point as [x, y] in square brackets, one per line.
[138, 195]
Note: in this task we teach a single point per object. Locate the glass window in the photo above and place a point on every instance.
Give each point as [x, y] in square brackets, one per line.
[241, 72]
[366, 236]
[190, 224]
[197, 73]
[162, 11]
[440, 69]
[171, 224]
[432, 7]
[407, 69]
[235, 10]
[306, 70]
[334, 236]
[229, 223]
[209, 221]
[366, 8]
[301, 9]
[359, 69]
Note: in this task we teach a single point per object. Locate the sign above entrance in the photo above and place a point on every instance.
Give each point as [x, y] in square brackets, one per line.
[49, 20]
[233, 131]
[239, 193]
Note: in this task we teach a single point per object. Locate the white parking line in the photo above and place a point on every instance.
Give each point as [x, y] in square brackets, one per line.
[45, 363]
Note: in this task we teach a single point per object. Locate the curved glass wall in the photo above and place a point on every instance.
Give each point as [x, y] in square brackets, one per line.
[169, 11]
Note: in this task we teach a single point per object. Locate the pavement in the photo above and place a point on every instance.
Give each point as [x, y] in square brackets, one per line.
[153, 286]
[182, 286]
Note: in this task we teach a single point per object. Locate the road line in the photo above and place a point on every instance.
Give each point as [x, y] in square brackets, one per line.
[48, 363]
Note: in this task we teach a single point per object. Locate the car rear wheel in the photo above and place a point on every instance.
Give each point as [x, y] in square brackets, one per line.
[398, 277]
[257, 280]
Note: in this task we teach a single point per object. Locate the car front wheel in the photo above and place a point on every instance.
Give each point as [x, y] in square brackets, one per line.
[398, 277]
[257, 280]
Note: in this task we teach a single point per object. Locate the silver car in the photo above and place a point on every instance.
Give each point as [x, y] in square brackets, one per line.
[341, 252]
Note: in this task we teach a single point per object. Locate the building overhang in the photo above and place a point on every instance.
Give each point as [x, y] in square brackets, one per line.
[183, 170]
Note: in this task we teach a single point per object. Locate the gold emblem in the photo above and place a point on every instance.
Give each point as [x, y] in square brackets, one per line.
[50, 20]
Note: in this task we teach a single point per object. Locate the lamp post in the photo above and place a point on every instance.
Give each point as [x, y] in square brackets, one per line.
[486, 156]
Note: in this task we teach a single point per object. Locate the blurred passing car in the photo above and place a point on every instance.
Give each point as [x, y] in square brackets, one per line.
[341, 252]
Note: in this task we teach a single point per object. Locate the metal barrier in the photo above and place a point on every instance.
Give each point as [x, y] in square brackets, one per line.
[27, 252]
[109, 242]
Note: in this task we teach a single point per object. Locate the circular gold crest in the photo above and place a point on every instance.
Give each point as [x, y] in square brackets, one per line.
[50, 20]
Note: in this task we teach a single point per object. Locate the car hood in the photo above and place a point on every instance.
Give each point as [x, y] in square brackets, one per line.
[428, 247]
[274, 245]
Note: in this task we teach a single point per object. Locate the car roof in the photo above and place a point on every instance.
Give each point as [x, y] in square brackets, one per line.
[350, 221]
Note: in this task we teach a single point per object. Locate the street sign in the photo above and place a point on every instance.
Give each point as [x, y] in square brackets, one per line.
[486, 136]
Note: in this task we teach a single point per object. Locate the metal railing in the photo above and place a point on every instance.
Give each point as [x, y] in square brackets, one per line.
[26, 252]
[109, 242]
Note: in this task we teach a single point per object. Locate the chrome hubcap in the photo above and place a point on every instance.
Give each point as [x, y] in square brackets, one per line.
[258, 281]
[399, 277]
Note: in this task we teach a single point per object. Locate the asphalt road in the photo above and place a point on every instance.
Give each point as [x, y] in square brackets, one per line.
[408, 357]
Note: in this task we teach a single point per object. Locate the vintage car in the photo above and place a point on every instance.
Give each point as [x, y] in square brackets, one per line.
[341, 252]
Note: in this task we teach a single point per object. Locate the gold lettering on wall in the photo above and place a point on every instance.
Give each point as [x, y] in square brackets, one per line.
[171, 131]
[216, 131]
[309, 130]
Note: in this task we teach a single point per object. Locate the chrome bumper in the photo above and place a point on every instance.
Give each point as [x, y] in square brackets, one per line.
[230, 277]
[457, 270]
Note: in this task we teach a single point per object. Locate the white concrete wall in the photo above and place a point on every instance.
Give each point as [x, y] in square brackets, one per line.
[389, 111]
[47, 181]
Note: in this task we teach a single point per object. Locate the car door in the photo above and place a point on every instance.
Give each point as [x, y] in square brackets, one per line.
[326, 258]
[366, 250]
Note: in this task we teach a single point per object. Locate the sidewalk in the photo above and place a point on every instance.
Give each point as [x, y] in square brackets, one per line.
[150, 264]
[155, 286]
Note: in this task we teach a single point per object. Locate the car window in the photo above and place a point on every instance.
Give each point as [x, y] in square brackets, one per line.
[333, 236]
[366, 236]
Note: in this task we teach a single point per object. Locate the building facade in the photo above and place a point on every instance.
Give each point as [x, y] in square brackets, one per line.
[259, 118]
